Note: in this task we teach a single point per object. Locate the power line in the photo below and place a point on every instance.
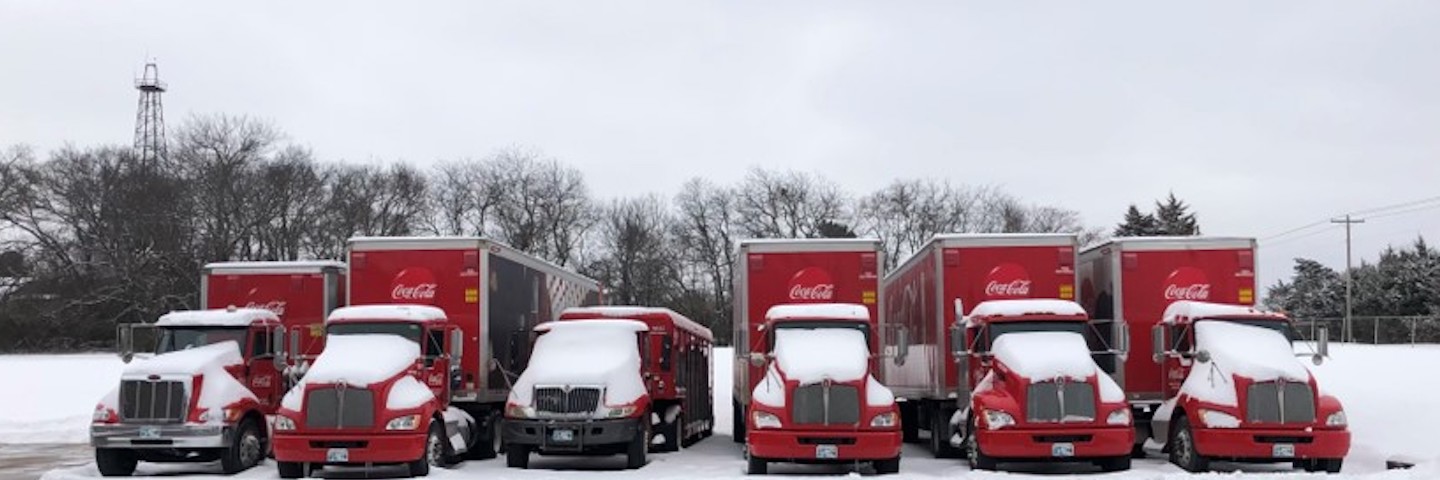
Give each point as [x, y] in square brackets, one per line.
[1302, 237]
[1383, 211]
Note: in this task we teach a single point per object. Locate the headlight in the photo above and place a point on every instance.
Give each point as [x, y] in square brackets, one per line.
[765, 419]
[1218, 419]
[408, 422]
[1336, 419]
[996, 419]
[886, 419]
[284, 424]
[622, 411]
[1119, 417]
[519, 411]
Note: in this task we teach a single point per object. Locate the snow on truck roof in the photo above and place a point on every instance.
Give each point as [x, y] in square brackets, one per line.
[412, 313]
[1015, 308]
[839, 311]
[224, 317]
[1192, 310]
[311, 266]
[634, 312]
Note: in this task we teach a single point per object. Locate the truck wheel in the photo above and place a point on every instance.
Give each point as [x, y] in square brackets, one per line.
[115, 462]
[887, 467]
[737, 428]
[517, 456]
[245, 450]
[909, 422]
[1182, 448]
[1327, 465]
[434, 454]
[487, 441]
[1114, 464]
[291, 469]
[978, 459]
[635, 452]
[674, 434]
[940, 435]
[757, 466]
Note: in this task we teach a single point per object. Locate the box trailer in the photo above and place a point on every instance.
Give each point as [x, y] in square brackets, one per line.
[301, 293]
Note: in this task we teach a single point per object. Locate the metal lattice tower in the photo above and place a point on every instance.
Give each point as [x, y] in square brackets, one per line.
[150, 117]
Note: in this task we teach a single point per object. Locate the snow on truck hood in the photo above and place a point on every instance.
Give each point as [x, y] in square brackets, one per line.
[218, 390]
[585, 352]
[810, 356]
[1043, 356]
[1257, 353]
[355, 360]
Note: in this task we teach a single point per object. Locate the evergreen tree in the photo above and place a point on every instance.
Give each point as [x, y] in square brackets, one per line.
[1175, 218]
[830, 229]
[1138, 224]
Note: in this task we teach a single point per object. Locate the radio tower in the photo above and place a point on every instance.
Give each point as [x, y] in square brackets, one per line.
[150, 118]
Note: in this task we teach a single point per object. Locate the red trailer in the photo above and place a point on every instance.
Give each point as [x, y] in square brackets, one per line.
[925, 300]
[300, 293]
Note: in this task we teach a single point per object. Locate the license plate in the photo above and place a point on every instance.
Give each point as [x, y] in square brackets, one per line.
[827, 451]
[149, 432]
[1282, 450]
[1062, 449]
[562, 435]
[337, 455]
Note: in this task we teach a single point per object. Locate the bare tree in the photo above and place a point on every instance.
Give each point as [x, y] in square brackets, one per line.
[463, 195]
[542, 207]
[907, 213]
[635, 259]
[289, 205]
[788, 204]
[704, 230]
[220, 155]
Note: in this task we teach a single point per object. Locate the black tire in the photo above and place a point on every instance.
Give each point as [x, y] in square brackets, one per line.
[940, 435]
[434, 454]
[635, 452]
[887, 467]
[291, 469]
[487, 439]
[674, 434]
[756, 466]
[1114, 464]
[517, 456]
[1182, 448]
[1327, 465]
[909, 422]
[114, 462]
[737, 428]
[978, 459]
[246, 450]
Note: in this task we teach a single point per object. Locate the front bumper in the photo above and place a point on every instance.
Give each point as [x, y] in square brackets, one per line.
[358, 447]
[160, 436]
[1056, 443]
[1263, 444]
[805, 445]
[584, 434]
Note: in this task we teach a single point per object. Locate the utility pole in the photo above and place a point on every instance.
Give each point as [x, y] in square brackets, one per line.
[1347, 335]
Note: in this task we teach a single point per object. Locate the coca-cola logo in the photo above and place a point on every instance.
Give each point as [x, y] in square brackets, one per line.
[274, 306]
[414, 285]
[1187, 283]
[812, 284]
[1007, 280]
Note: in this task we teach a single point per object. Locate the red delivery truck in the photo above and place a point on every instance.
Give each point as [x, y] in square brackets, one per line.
[301, 293]
[1132, 282]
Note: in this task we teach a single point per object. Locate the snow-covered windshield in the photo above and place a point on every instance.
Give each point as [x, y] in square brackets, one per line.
[1002, 328]
[810, 355]
[176, 339]
[1282, 327]
[863, 328]
[408, 331]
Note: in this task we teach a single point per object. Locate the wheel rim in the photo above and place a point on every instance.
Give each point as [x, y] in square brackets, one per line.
[434, 451]
[1183, 451]
[250, 449]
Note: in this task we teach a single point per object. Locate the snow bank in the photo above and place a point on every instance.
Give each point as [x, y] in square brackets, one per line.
[813, 355]
[1257, 353]
[1013, 308]
[1193, 310]
[59, 397]
[1043, 356]
[408, 393]
[585, 352]
[188, 361]
[410, 313]
[1389, 401]
[239, 317]
[838, 311]
[355, 360]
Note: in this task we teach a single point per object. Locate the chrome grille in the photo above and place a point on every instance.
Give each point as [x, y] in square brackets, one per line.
[340, 408]
[153, 401]
[1280, 402]
[567, 401]
[1060, 402]
[821, 404]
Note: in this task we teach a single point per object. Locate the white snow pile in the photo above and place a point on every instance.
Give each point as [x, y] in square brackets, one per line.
[1197, 310]
[58, 405]
[355, 360]
[189, 361]
[771, 389]
[408, 393]
[1044, 356]
[238, 317]
[1256, 353]
[1036, 306]
[811, 355]
[412, 313]
[838, 311]
[585, 352]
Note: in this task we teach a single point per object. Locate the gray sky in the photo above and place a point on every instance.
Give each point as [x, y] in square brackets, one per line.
[1265, 116]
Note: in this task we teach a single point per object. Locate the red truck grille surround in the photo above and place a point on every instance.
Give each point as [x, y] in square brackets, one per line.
[567, 401]
[153, 401]
[340, 408]
[1053, 402]
[1280, 402]
[821, 404]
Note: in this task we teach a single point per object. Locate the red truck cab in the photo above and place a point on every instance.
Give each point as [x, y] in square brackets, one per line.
[818, 401]
[378, 394]
[1235, 391]
[203, 396]
[1036, 393]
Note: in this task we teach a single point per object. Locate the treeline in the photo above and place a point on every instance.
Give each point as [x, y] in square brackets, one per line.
[95, 236]
[1403, 282]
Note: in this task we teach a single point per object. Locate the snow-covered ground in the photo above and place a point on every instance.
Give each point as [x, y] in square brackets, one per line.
[1390, 394]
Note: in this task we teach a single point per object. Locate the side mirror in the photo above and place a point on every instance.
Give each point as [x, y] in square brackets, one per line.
[125, 342]
[1122, 341]
[1157, 342]
[902, 344]
[294, 342]
[277, 345]
[457, 347]
[957, 341]
[758, 359]
[1322, 341]
[1202, 356]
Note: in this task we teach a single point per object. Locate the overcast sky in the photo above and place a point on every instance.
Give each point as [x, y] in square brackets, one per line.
[1265, 116]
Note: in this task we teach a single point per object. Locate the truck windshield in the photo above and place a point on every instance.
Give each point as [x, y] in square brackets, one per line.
[176, 339]
[1001, 328]
[1278, 326]
[409, 331]
[864, 328]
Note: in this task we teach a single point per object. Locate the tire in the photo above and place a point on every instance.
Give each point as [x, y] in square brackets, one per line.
[638, 447]
[738, 426]
[1182, 448]
[887, 467]
[115, 462]
[1114, 464]
[940, 435]
[756, 466]
[909, 422]
[978, 459]
[488, 443]
[291, 469]
[674, 434]
[1327, 465]
[517, 456]
[246, 450]
[434, 454]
